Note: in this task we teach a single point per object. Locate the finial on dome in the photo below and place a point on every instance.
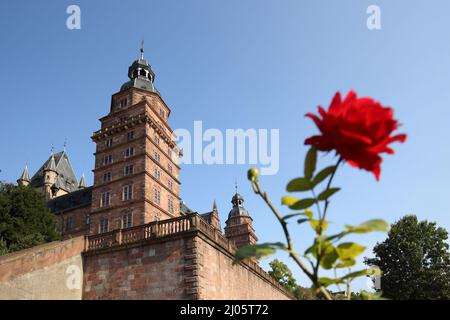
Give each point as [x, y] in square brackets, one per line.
[142, 49]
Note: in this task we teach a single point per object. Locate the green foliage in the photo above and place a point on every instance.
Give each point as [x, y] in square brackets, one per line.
[310, 162]
[3, 247]
[25, 219]
[281, 272]
[257, 251]
[304, 293]
[415, 261]
[326, 252]
[324, 195]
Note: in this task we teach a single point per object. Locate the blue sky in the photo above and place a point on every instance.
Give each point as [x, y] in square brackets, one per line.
[238, 64]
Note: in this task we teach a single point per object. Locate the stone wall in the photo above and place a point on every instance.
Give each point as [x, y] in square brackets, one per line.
[219, 279]
[180, 258]
[49, 271]
[151, 270]
[190, 262]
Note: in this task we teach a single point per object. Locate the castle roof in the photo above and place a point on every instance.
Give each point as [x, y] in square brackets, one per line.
[59, 163]
[70, 201]
[141, 75]
[238, 206]
[25, 176]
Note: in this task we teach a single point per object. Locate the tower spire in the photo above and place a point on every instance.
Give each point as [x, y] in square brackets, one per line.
[24, 179]
[142, 49]
[82, 183]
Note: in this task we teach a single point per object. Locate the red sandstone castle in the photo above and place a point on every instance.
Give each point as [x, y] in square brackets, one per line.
[136, 173]
[130, 235]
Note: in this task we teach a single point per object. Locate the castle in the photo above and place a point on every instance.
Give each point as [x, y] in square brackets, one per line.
[131, 224]
[136, 173]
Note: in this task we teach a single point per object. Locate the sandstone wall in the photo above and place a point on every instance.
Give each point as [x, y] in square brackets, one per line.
[150, 270]
[49, 271]
[219, 279]
[187, 265]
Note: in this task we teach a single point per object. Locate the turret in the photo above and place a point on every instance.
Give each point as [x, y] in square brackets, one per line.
[82, 183]
[215, 221]
[24, 179]
[239, 226]
[50, 177]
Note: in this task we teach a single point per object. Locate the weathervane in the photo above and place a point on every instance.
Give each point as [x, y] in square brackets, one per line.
[142, 50]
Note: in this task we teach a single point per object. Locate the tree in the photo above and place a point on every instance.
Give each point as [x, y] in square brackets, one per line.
[281, 272]
[25, 219]
[414, 260]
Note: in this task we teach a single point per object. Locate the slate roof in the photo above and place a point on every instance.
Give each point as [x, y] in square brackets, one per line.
[184, 209]
[25, 176]
[66, 177]
[70, 201]
[207, 216]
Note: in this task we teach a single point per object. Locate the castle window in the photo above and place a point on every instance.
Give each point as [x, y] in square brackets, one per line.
[127, 220]
[157, 198]
[87, 219]
[109, 143]
[104, 225]
[105, 199]
[129, 152]
[127, 193]
[128, 170]
[108, 159]
[170, 205]
[157, 156]
[123, 102]
[162, 113]
[170, 184]
[157, 174]
[69, 224]
[169, 167]
[130, 135]
[156, 138]
[107, 177]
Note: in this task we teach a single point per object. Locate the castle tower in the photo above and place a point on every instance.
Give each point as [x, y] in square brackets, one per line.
[50, 178]
[136, 175]
[239, 224]
[82, 183]
[24, 179]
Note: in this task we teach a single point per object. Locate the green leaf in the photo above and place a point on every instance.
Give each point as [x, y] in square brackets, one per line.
[310, 162]
[346, 263]
[300, 221]
[329, 281]
[288, 200]
[307, 214]
[326, 251]
[329, 256]
[355, 274]
[299, 184]
[303, 204]
[349, 250]
[327, 193]
[257, 251]
[322, 175]
[319, 225]
[369, 226]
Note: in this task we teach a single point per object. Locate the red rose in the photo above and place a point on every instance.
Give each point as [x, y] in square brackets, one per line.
[359, 129]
